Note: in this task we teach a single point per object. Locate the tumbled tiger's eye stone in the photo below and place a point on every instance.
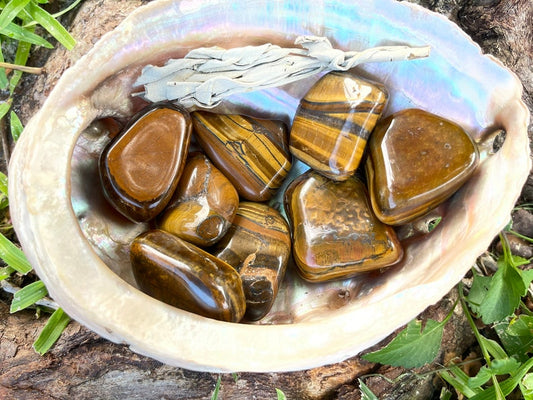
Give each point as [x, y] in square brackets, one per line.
[252, 153]
[140, 167]
[333, 122]
[416, 161]
[184, 276]
[335, 233]
[203, 205]
[258, 245]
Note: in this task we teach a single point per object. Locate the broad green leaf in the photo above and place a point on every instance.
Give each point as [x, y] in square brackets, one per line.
[27, 296]
[504, 366]
[507, 386]
[517, 261]
[280, 395]
[517, 336]
[16, 32]
[482, 377]
[5, 272]
[413, 347]
[526, 386]
[214, 396]
[494, 348]
[527, 277]
[11, 10]
[366, 393]
[52, 331]
[3, 183]
[504, 293]
[13, 256]
[15, 125]
[478, 291]
[53, 27]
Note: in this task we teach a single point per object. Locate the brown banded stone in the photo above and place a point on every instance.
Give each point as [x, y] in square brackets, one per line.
[258, 245]
[416, 161]
[335, 233]
[333, 122]
[140, 167]
[184, 276]
[252, 153]
[204, 204]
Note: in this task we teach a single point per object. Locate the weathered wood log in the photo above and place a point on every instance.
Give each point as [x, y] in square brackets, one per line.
[84, 366]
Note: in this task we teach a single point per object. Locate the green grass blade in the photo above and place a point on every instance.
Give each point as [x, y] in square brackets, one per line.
[214, 396]
[3, 77]
[15, 125]
[10, 11]
[459, 380]
[52, 331]
[4, 107]
[27, 296]
[3, 183]
[21, 58]
[13, 256]
[5, 272]
[53, 27]
[16, 32]
[366, 393]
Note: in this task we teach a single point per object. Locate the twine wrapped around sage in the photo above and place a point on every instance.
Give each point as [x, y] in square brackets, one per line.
[205, 76]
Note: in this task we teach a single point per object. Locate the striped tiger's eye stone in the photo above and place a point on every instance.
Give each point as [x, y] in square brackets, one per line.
[140, 168]
[184, 276]
[416, 161]
[258, 245]
[335, 233]
[333, 122]
[252, 153]
[203, 205]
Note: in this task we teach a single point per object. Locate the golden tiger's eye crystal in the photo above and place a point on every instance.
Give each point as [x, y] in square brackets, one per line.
[335, 233]
[252, 153]
[184, 276]
[140, 168]
[258, 245]
[204, 204]
[333, 122]
[416, 161]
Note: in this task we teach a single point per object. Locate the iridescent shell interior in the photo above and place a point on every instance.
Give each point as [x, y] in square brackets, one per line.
[79, 246]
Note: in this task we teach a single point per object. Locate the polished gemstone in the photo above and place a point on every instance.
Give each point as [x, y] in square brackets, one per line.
[335, 233]
[184, 276]
[140, 167]
[252, 153]
[258, 245]
[333, 122]
[416, 161]
[204, 204]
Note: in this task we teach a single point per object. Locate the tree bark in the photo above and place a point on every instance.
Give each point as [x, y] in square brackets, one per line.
[84, 366]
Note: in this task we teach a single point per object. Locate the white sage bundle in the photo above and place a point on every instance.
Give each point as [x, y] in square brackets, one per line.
[205, 76]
